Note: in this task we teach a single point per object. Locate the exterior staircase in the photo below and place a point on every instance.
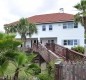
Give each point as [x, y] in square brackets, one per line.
[52, 52]
[65, 53]
[46, 54]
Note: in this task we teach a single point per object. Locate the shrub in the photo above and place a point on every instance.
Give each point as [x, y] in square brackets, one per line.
[79, 49]
[45, 76]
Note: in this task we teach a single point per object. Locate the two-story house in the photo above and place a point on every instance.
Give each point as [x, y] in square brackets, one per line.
[58, 28]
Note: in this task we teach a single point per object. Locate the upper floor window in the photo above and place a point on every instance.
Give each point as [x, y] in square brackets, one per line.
[50, 27]
[64, 25]
[70, 25]
[75, 25]
[43, 28]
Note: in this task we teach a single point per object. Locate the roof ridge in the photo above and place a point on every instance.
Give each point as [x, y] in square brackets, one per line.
[49, 14]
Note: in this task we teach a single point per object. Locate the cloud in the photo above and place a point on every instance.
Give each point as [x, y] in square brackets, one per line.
[23, 7]
[12, 10]
[68, 5]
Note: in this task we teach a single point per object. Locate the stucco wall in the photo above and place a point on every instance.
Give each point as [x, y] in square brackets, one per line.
[60, 33]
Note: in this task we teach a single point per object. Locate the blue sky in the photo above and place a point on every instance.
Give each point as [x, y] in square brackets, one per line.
[12, 10]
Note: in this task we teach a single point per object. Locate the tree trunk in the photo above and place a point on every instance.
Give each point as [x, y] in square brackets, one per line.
[23, 38]
[16, 74]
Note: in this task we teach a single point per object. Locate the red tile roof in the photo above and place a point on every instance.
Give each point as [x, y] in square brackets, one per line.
[49, 18]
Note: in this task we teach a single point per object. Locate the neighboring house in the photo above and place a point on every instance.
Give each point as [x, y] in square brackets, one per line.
[58, 28]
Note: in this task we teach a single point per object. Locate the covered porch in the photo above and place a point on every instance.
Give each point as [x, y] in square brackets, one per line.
[48, 40]
[43, 41]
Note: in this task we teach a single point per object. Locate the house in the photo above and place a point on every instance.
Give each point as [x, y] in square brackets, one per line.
[58, 28]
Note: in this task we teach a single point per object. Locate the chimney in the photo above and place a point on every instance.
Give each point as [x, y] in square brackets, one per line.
[61, 10]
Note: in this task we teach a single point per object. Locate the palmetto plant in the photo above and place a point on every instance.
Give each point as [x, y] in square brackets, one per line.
[23, 27]
[8, 48]
[24, 62]
[3, 66]
[81, 15]
[10, 54]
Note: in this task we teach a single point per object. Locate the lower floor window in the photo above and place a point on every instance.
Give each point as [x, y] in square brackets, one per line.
[50, 41]
[70, 42]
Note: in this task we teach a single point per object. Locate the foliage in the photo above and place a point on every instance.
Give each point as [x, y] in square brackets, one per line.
[80, 16]
[79, 49]
[33, 69]
[3, 66]
[8, 48]
[9, 54]
[48, 74]
[45, 76]
[24, 63]
[23, 27]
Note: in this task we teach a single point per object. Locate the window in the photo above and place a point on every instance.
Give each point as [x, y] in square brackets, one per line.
[75, 42]
[70, 25]
[70, 42]
[64, 25]
[48, 41]
[75, 25]
[34, 41]
[50, 27]
[52, 41]
[41, 41]
[43, 28]
[65, 42]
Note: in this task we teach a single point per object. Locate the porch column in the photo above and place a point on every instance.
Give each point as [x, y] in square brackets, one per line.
[38, 39]
[56, 40]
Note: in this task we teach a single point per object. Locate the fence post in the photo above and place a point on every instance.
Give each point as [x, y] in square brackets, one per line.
[67, 54]
[58, 71]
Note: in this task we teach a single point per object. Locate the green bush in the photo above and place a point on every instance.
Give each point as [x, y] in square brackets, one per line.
[79, 49]
[45, 76]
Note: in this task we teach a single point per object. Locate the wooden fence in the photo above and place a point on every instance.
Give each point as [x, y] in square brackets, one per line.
[70, 71]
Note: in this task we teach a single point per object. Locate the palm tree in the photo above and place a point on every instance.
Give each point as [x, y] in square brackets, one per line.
[23, 27]
[10, 54]
[81, 15]
[24, 63]
[3, 66]
[8, 48]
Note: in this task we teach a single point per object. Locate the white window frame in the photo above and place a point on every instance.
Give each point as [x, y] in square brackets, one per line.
[50, 27]
[70, 42]
[70, 25]
[43, 28]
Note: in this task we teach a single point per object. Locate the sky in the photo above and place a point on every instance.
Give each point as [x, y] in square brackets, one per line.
[13, 10]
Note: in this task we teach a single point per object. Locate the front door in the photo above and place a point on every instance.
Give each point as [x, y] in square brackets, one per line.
[34, 42]
[50, 41]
